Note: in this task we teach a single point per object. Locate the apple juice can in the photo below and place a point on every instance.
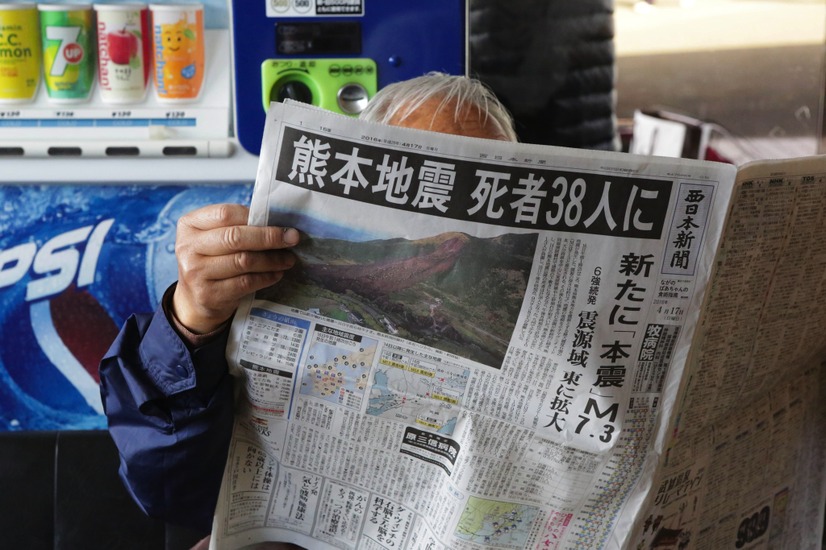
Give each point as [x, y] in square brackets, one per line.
[178, 45]
[19, 53]
[68, 32]
[124, 52]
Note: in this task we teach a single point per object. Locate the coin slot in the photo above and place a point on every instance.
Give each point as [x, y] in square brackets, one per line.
[11, 151]
[352, 98]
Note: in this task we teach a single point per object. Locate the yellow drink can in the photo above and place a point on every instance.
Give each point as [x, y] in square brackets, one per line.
[19, 53]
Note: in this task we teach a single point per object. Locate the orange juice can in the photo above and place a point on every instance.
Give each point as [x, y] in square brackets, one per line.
[20, 53]
[178, 45]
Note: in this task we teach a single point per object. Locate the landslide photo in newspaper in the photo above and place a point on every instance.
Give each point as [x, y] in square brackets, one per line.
[475, 345]
[452, 291]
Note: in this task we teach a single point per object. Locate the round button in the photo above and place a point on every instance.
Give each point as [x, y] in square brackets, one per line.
[292, 89]
[352, 98]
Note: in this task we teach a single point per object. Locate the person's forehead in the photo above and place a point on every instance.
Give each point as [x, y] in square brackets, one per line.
[445, 118]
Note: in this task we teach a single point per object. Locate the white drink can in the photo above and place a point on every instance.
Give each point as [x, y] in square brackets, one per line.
[124, 52]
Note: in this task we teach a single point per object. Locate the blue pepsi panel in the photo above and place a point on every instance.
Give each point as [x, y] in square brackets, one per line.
[405, 39]
[75, 262]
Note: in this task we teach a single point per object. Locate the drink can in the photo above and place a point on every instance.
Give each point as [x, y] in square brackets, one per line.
[178, 44]
[68, 32]
[19, 53]
[124, 52]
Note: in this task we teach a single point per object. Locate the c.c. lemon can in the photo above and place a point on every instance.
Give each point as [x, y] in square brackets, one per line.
[19, 53]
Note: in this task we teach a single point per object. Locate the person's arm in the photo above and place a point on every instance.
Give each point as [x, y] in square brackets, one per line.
[170, 414]
[170, 405]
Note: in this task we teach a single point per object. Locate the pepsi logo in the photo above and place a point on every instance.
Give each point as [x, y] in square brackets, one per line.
[58, 262]
[74, 264]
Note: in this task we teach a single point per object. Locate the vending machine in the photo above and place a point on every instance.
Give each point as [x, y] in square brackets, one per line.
[117, 119]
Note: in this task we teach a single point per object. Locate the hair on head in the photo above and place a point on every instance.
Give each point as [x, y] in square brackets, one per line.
[399, 100]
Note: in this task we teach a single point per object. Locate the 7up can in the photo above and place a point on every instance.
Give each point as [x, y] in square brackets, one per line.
[68, 34]
[19, 53]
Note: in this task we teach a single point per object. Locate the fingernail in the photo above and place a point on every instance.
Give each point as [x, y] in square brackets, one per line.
[290, 236]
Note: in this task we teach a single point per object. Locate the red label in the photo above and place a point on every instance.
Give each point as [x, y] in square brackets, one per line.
[73, 53]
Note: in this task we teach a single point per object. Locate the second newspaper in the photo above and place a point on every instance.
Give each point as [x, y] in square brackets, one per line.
[480, 345]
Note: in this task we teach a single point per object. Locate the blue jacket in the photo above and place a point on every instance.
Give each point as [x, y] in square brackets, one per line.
[170, 413]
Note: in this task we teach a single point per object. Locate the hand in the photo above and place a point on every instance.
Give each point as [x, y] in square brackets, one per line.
[221, 259]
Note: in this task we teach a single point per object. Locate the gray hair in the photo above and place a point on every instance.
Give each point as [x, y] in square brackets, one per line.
[399, 100]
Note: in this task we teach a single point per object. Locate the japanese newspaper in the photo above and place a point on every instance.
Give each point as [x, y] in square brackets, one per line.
[498, 345]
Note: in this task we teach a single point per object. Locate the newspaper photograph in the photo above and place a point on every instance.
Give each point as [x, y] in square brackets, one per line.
[481, 345]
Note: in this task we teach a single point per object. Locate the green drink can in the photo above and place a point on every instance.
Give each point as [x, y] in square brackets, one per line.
[68, 35]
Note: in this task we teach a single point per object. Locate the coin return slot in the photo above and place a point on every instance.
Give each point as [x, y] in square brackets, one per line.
[122, 151]
[180, 151]
[65, 151]
[11, 151]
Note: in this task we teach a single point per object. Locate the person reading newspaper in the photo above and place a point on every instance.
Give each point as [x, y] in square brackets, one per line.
[164, 382]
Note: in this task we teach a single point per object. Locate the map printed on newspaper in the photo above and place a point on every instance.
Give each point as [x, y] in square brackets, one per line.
[477, 346]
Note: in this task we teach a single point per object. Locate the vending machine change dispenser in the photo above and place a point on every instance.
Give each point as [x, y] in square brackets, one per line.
[336, 54]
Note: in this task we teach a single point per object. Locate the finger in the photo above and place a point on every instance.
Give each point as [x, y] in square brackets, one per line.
[237, 238]
[216, 215]
[240, 238]
[226, 266]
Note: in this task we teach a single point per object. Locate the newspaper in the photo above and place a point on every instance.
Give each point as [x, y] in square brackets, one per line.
[745, 464]
[485, 344]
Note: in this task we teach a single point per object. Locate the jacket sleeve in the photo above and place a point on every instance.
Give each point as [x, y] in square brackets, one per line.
[170, 414]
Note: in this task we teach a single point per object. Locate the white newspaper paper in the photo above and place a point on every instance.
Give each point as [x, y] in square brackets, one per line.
[745, 465]
[482, 345]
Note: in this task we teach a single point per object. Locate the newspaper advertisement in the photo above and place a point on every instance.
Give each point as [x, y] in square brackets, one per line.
[746, 466]
[755, 481]
[480, 345]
